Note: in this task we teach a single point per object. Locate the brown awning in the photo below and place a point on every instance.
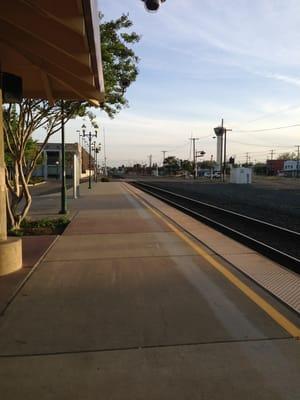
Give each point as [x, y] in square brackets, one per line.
[54, 45]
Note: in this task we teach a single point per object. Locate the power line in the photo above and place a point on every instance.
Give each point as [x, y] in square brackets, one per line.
[267, 129]
[269, 114]
[257, 145]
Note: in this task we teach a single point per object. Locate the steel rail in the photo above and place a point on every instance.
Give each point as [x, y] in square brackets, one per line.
[212, 206]
[280, 256]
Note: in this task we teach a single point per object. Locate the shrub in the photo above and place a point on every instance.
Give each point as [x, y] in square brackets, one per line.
[42, 227]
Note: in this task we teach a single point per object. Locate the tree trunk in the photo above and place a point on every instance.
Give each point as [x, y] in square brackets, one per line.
[18, 197]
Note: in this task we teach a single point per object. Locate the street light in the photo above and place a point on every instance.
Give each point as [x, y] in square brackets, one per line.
[96, 149]
[89, 135]
[57, 169]
[63, 208]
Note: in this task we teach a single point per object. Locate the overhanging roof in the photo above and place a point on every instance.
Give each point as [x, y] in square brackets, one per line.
[54, 45]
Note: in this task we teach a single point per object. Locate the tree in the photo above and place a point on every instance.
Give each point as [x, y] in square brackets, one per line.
[287, 156]
[260, 169]
[171, 164]
[187, 165]
[119, 62]
[21, 120]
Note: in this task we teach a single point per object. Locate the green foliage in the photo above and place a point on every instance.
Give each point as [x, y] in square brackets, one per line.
[119, 62]
[187, 165]
[171, 164]
[45, 223]
[41, 227]
[36, 179]
[260, 169]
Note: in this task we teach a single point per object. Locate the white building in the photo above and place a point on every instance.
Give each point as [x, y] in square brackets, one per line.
[290, 167]
[241, 175]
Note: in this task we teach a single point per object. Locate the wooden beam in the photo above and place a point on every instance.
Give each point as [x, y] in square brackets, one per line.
[80, 95]
[70, 23]
[47, 87]
[48, 31]
[82, 89]
[49, 52]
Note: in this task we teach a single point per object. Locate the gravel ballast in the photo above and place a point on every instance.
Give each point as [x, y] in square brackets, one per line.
[278, 206]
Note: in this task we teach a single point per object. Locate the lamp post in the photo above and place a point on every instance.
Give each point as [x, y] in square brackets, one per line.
[57, 169]
[89, 135]
[63, 209]
[96, 149]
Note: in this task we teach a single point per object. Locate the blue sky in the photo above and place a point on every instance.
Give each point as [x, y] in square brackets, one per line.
[204, 60]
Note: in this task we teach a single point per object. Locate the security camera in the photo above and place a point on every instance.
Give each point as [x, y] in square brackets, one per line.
[153, 5]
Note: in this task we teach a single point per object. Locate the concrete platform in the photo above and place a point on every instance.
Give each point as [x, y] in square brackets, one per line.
[33, 248]
[128, 310]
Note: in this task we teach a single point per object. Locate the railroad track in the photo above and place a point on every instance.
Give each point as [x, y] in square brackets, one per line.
[275, 242]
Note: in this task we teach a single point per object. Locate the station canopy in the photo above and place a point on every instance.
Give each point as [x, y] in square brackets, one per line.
[54, 46]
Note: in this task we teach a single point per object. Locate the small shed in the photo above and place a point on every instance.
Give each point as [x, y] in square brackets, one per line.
[241, 175]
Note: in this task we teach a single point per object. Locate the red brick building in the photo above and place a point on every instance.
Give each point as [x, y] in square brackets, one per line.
[274, 167]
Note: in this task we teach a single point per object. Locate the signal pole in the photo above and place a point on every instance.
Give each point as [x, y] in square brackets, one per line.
[194, 156]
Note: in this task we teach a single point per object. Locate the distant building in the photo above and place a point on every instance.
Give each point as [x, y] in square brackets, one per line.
[241, 175]
[290, 167]
[52, 156]
[275, 167]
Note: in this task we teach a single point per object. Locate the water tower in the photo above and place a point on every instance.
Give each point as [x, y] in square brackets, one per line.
[219, 132]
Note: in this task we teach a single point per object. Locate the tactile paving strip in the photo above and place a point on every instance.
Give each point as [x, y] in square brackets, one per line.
[276, 279]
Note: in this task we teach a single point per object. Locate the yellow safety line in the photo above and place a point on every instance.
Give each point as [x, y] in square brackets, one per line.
[281, 320]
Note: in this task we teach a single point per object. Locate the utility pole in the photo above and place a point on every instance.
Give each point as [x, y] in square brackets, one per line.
[271, 165]
[194, 156]
[247, 158]
[164, 155]
[150, 161]
[298, 158]
[225, 150]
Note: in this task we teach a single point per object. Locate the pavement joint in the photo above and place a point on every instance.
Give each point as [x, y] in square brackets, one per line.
[120, 258]
[147, 347]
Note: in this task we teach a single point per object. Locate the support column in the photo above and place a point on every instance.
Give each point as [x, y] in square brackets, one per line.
[3, 220]
[75, 176]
